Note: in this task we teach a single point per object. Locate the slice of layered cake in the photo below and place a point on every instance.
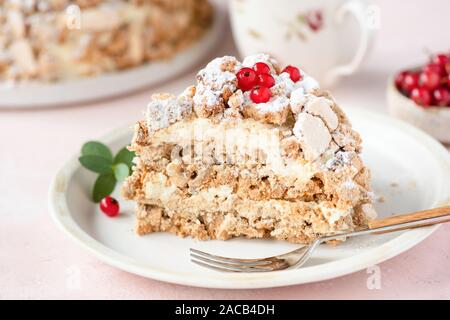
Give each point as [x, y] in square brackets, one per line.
[249, 151]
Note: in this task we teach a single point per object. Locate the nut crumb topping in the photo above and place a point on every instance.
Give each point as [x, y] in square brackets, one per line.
[316, 121]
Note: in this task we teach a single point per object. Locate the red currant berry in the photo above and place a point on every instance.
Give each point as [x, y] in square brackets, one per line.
[261, 68]
[441, 97]
[447, 69]
[260, 94]
[430, 80]
[109, 206]
[266, 80]
[294, 73]
[246, 79]
[421, 96]
[441, 59]
[448, 80]
[436, 68]
[399, 78]
[410, 82]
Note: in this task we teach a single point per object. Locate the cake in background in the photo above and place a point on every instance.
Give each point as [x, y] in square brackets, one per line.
[251, 150]
[54, 40]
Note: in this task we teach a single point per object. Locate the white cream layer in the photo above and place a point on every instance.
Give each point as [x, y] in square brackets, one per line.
[244, 140]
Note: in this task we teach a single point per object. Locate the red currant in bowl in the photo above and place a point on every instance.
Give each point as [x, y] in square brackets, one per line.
[421, 96]
[410, 82]
[441, 97]
[430, 80]
[441, 59]
[436, 68]
[400, 78]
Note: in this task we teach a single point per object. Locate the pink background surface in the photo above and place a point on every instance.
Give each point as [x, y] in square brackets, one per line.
[36, 259]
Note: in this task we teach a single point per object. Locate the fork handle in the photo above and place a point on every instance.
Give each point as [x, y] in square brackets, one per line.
[397, 223]
[412, 217]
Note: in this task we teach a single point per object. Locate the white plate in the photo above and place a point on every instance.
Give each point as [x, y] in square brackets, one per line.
[37, 95]
[410, 170]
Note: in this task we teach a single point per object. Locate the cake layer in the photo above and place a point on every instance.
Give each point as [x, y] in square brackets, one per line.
[302, 224]
[257, 161]
[221, 190]
[173, 183]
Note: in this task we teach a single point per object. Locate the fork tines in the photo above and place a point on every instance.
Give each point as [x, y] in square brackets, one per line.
[219, 263]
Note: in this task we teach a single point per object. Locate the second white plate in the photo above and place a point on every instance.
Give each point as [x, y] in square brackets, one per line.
[39, 95]
[410, 171]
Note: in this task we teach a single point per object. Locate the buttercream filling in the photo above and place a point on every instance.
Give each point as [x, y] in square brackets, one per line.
[245, 140]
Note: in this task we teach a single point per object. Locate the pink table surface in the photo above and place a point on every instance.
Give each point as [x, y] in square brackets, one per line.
[37, 261]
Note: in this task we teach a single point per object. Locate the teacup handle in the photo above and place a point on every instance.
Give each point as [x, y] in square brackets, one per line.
[359, 10]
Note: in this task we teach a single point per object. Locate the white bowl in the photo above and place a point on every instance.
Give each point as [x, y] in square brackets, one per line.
[434, 120]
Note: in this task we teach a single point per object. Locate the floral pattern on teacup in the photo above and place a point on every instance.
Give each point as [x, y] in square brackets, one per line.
[312, 20]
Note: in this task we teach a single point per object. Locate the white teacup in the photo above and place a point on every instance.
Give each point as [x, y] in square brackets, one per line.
[326, 38]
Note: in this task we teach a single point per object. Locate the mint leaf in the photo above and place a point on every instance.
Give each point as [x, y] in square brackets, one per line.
[95, 148]
[125, 156]
[96, 163]
[104, 186]
[121, 171]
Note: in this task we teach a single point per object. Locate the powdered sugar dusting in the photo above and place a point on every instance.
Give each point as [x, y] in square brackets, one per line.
[250, 61]
[215, 77]
[298, 100]
[206, 96]
[284, 83]
[165, 109]
[340, 159]
[276, 104]
[308, 83]
[218, 77]
[237, 100]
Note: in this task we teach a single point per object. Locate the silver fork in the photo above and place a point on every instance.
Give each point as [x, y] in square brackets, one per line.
[298, 257]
